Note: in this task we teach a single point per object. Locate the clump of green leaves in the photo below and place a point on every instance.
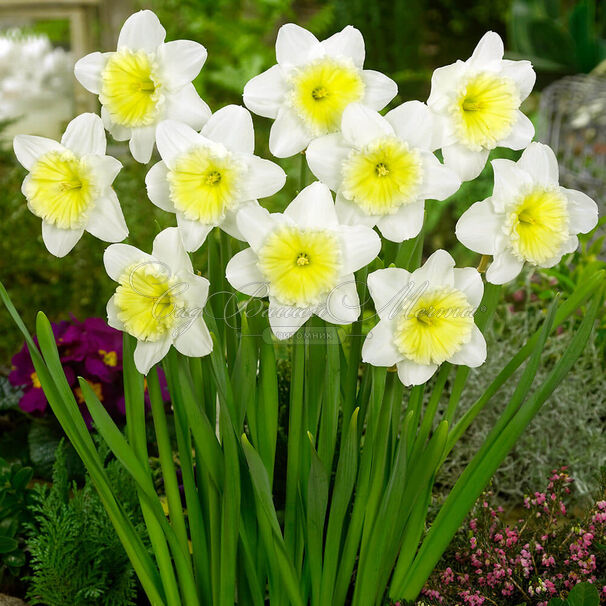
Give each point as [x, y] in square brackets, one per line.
[15, 497]
[76, 556]
[583, 594]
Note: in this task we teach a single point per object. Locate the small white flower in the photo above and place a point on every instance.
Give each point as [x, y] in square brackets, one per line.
[425, 318]
[145, 81]
[478, 102]
[313, 82]
[159, 299]
[303, 260]
[69, 185]
[206, 177]
[383, 168]
[529, 217]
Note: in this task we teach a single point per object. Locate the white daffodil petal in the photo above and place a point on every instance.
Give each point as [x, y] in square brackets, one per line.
[583, 211]
[436, 271]
[504, 268]
[346, 43]
[141, 143]
[263, 178]
[521, 134]
[288, 135]
[182, 61]
[404, 224]
[411, 373]
[168, 248]
[489, 51]
[142, 31]
[472, 353]
[119, 133]
[255, 223]
[539, 161]
[469, 281]
[193, 338]
[118, 257]
[443, 81]
[60, 241]
[242, 272]
[522, 73]
[105, 168]
[264, 93]
[439, 181]
[294, 44]
[112, 315]
[325, 156]
[389, 289]
[466, 163]
[285, 320]
[175, 138]
[230, 225]
[148, 353]
[478, 227]
[342, 305]
[350, 213]
[232, 126]
[360, 125]
[193, 233]
[85, 134]
[28, 148]
[379, 90]
[196, 294]
[414, 123]
[360, 245]
[88, 71]
[187, 106]
[509, 181]
[158, 190]
[106, 220]
[379, 348]
[313, 207]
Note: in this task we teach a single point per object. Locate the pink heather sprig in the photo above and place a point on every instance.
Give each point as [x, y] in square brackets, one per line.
[540, 556]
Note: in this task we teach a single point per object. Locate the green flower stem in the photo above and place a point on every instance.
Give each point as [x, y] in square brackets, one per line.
[135, 430]
[302, 172]
[167, 464]
[490, 300]
[296, 433]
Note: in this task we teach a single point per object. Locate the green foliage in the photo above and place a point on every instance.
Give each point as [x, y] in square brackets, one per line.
[76, 556]
[583, 594]
[558, 37]
[15, 497]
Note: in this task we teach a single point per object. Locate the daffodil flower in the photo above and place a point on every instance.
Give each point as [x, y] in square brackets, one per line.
[478, 103]
[311, 85]
[206, 177]
[145, 81]
[383, 168]
[69, 185]
[425, 318]
[529, 218]
[159, 299]
[303, 260]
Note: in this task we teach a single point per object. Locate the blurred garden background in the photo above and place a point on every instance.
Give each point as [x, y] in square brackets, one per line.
[406, 39]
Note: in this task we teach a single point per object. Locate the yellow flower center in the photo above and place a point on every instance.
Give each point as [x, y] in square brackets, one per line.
[110, 358]
[96, 387]
[538, 225]
[484, 110]
[435, 326]
[301, 265]
[146, 301]
[35, 380]
[61, 190]
[204, 185]
[383, 176]
[322, 89]
[130, 89]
